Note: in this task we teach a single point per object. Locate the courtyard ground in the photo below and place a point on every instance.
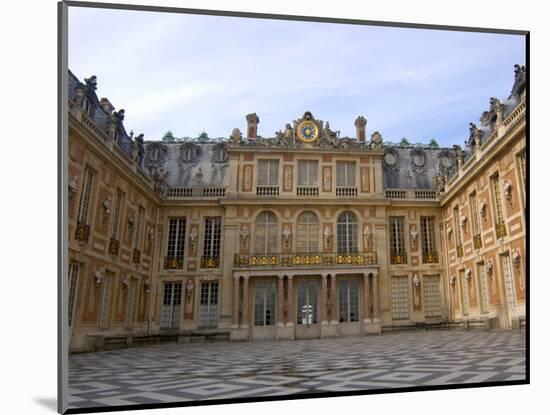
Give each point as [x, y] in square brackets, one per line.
[199, 371]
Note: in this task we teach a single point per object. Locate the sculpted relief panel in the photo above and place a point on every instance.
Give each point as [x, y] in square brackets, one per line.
[287, 178]
[327, 179]
[247, 178]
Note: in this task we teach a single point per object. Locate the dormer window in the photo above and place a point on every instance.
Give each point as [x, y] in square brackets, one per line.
[86, 105]
[154, 156]
[189, 152]
[220, 154]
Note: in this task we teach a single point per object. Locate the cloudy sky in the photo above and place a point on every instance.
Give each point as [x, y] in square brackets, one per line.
[188, 73]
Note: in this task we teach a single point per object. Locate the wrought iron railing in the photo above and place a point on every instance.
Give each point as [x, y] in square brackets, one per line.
[398, 258]
[477, 241]
[114, 246]
[501, 229]
[136, 256]
[430, 257]
[307, 259]
[82, 232]
[209, 261]
[173, 262]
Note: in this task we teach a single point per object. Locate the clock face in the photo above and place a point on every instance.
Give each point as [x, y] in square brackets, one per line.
[308, 132]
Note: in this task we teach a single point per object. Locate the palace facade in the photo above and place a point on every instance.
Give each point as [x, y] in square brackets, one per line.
[302, 235]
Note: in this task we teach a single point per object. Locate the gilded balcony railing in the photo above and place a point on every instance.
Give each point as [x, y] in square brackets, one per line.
[173, 262]
[136, 256]
[209, 261]
[501, 230]
[318, 259]
[430, 257]
[477, 241]
[82, 232]
[114, 245]
[459, 250]
[398, 258]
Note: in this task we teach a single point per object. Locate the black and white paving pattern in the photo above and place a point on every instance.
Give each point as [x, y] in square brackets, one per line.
[199, 371]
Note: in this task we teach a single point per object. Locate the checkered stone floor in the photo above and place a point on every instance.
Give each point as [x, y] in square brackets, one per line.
[188, 372]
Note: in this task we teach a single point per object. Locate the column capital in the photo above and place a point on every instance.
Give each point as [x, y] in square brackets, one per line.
[280, 277]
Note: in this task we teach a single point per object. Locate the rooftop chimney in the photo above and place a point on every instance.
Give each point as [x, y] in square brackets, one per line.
[360, 124]
[252, 130]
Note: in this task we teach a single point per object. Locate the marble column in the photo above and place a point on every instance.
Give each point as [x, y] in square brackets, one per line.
[280, 300]
[324, 302]
[236, 301]
[366, 294]
[289, 303]
[244, 323]
[375, 315]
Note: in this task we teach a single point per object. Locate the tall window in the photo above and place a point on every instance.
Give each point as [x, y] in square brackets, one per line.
[264, 303]
[509, 285]
[400, 298]
[347, 232]
[465, 293]
[474, 214]
[398, 252]
[522, 163]
[171, 305]
[73, 283]
[84, 203]
[268, 172]
[266, 233]
[130, 301]
[307, 233]
[211, 246]
[307, 293]
[348, 301]
[105, 300]
[307, 173]
[345, 173]
[137, 236]
[116, 214]
[499, 213]
[432, 296]
[208, 305]
[458, 230]
[176, 243]
[427, 231]
[482, 275]
[86, 105]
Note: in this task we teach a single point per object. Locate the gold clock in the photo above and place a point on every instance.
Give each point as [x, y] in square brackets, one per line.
[307, 131]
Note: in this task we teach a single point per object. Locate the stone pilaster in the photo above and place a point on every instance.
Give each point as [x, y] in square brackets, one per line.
[244, 323]
[289, 302]
[236, 302]
[366, 298]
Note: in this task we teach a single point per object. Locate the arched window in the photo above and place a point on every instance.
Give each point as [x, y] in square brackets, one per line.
[347, 232]
[266, 233]
[307, 233]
